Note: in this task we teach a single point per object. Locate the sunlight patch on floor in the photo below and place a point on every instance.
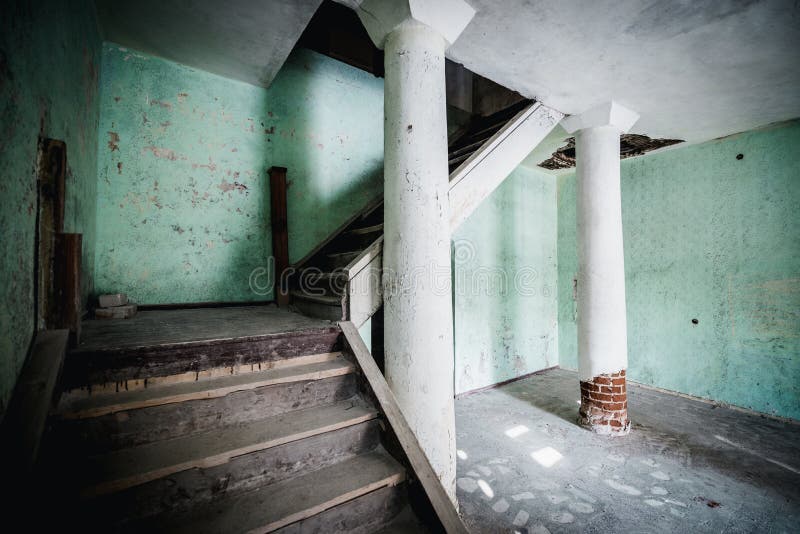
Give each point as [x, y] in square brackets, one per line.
[547, 456]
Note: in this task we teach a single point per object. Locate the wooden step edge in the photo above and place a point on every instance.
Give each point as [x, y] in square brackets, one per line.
[390, 480]
[466, 148]
[193, 376]
[344, 253]
[66, 408]
[460, 158]
[487, 131]
[113, 486]
[326, 300]
[366, 229]
[319, 274]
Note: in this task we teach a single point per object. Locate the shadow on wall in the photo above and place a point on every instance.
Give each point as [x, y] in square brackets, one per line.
[183, 190]
[331, 143]
[504, 275]
[327, 126]
[330, 138]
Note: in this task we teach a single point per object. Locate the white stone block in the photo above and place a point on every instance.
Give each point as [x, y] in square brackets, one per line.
[116, 312]
[116, 299]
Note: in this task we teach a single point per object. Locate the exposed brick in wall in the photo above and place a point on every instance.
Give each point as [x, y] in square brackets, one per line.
[604, 404]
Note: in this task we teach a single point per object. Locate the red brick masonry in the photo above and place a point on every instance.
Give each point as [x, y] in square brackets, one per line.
[604, 404]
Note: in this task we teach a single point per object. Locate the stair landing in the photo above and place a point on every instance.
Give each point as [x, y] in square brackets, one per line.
[157, 343]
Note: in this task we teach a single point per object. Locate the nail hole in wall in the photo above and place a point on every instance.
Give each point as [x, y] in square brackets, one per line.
[695, 321]
[739, 156]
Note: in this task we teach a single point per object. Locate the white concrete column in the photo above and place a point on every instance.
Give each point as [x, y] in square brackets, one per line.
[602, 319]
[418, 314]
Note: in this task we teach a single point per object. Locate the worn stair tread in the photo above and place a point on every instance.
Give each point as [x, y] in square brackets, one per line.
[272, 507]
[459, 159]
[332, 282]
[328, 300]
[95, 406]
[366, 229]
[404, 523]
[467, 149]
[481, 135]
[483, 128]
[315, 274]
[125, 468]
[344, 253]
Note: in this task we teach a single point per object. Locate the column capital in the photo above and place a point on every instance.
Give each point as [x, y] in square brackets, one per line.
[382, 17]
[607, 114]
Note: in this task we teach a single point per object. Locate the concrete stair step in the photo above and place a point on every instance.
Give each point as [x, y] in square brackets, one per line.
[369, 513]
[326, 299]
[108, 361]
[218, 386]
[194, 487]
[476, 136]
[458, 159]
[295, 500]
[404, 523]
[341, 259]
[129, 467]
[483, 128]
[367, 229]
[467, 149]
[319, 306]
[130, 428]
[312, 280]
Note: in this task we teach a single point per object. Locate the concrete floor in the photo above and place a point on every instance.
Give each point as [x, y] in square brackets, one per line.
[687, 466]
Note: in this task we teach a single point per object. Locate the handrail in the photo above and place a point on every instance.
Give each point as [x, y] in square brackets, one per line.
[493, 142]
[374, 203]
[487, 167]
[34, 393]
[416, 456]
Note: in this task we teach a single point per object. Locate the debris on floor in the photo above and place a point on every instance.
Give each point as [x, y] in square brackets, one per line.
[525, 465]
[115, 306]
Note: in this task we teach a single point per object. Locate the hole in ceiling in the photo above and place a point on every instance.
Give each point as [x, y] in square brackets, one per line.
[629, 145]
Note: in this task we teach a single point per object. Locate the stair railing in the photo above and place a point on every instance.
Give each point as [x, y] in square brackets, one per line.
[442, 505]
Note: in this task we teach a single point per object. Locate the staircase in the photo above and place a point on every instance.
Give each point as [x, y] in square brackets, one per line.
[277, 429]
[341, 278]
[288, 441]
[471, 138]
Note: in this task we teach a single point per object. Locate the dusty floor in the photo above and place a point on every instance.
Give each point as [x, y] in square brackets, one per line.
[687, 466]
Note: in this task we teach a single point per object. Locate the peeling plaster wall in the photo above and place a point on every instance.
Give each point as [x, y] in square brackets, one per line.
[182, 207]
[183, 190]
[330, 137]
[709, 237]
[508, 242]
[49, 64]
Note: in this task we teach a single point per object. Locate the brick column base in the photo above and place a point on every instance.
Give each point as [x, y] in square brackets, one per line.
[604, 404]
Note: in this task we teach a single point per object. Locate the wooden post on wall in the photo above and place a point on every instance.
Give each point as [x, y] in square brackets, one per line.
[280, 233]
[67, 284]
[51, 179]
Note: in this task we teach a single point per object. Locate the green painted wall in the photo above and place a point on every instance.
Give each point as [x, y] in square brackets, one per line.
[505, 281]
[182, 213]
[183, 190]
[710, 237]
[49, 62]
[330, 137]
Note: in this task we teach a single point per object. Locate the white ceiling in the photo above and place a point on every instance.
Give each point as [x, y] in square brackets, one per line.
[247, 40]
[693, 69]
